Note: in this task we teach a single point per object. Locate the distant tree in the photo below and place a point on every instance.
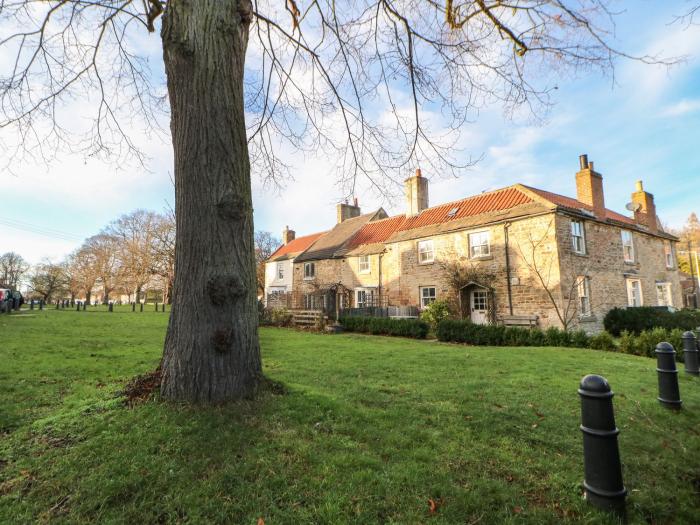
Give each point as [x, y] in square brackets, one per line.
[134, 234]
[12, 268]
[84, 271]
[104, 249]
[379, 85]
[265, 245]
[163, 252]
[689, 235]
[48, 280]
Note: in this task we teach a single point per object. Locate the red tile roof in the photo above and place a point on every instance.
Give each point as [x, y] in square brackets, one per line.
[298, 245]
[376, 231]
[568, 202]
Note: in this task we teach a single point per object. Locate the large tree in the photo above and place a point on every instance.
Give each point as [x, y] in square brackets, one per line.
[382, 85]
[12, 268]
[48, 280]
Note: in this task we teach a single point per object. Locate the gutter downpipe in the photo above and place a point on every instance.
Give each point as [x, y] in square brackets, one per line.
[510, 292]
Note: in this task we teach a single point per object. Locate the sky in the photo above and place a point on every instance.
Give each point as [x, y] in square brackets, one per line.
[642, 125]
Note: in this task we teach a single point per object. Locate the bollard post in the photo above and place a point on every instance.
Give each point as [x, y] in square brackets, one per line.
[142, 307]
[133, 307]
[163, 308]
[690, 354]
[111, 307]
[669, 393]
[41, 304]
[56, 305]
[156, 307]
[77, 307]
[602, 483]
[31, 304]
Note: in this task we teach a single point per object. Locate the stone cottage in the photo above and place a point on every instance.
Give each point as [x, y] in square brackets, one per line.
[517, 255]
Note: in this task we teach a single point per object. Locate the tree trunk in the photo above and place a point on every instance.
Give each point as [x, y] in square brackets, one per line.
[211, 349]
[87, 297]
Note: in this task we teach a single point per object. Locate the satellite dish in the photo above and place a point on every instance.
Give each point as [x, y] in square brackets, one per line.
[633, 206]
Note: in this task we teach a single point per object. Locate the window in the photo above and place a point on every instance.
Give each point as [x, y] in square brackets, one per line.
[427, 295]
[634, 292]
[664, 297]
[584, 296]
[479, 244]
[425, 252]
[627, 246]
[668, 253]
[280, 271]
[363, 264]
[578, 239]
[309, 270]
[309, 301]
[364, 298]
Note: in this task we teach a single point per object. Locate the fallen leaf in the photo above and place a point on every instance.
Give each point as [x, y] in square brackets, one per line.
[432, 506]
[261, 521]
[517, 510]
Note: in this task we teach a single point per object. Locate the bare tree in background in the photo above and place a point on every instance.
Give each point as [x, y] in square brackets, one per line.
[48, 280]
[265, 245]
[380, 85]
[104, 250]
[12, 268]
[134, 234]
[163, 252]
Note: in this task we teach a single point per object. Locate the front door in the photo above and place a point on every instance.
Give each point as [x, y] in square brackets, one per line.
[479, 301]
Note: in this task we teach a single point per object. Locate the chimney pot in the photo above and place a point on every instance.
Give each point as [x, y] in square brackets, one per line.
[288, 235]
[640, 185]
[583, 161]
[416, 190]
[418, 172]
[354, 202]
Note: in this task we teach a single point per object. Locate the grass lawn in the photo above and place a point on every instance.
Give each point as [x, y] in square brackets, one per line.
[370, 429]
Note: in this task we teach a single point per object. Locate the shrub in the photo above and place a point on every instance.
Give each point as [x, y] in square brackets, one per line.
[435, 312]
[414, 328]
[494, 335]
[602, 341]
[638, 319]
[279, 316]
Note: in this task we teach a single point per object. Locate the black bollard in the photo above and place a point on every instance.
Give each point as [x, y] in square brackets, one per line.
[84, 305]
[163, 309]
[690, 354]
[41, 304]
[77, 307]
[56, 305]
[669, 394]
[111, 307]
[603, 484]
[156, 307]
[133, 307]
[142, 307]
[31, 304]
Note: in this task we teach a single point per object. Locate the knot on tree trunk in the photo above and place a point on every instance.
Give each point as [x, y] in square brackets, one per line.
[245, 10]
[222, 340]
[232, 207]
[222, 287]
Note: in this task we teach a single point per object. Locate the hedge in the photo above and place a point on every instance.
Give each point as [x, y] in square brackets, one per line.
[638, 319]
[414, 328]
[465, 331]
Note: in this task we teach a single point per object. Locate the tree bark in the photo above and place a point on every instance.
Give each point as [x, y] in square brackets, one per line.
[211, 349]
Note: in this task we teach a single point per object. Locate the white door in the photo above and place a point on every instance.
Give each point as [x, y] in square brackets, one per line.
[479, 301]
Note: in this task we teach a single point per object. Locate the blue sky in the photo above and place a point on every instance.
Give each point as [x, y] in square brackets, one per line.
[645, 125]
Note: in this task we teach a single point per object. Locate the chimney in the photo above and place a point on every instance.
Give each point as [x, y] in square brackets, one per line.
[589, 187]
[646, 214]
[416, 189]
[347, 211]
[287, 235]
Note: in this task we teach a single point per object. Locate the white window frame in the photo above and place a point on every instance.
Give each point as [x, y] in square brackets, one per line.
[626, 235]
[426, 299]
[367, 295]
[584, 295]
[665, 297]
[578, 237]
[482, 249]
[668, 255]
[309, 270]
[280, 271]
[426, 252]
[630, 295]
[363, 264]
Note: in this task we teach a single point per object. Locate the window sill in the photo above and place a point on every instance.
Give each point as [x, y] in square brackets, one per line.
[309, 278]
[580, 254]
[364, 273]
[481, 258]
[630, 263]
[426, 263]
[590, 318]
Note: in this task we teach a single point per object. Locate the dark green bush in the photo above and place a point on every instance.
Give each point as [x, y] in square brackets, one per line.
[495, 335]
[414, 328]
[638, 319]
[602, 341]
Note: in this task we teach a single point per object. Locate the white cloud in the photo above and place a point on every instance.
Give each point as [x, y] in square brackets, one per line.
[681, 108]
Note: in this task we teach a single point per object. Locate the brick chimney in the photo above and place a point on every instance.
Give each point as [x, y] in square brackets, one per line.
[646, 214]
[589, 187]
[416, 189]
[347, 211]
[288, 235]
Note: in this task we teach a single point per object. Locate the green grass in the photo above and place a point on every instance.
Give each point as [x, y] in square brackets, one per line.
[370, 429]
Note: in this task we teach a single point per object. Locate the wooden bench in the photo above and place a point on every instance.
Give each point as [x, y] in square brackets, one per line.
[524, 321]
[308, 317]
